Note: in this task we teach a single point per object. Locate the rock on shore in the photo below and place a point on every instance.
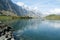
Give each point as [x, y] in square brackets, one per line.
[6, 32]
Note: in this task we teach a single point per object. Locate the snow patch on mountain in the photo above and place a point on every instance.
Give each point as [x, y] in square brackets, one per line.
[31, 11]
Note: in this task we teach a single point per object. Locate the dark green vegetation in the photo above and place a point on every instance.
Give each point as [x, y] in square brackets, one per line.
[53, 17]
[27, 17]
[13, 17]
[7, 17]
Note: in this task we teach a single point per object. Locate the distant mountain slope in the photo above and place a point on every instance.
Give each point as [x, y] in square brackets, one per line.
[53, 17]
[8, 5]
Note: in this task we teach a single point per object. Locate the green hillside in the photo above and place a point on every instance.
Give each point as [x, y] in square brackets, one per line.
[53, 17]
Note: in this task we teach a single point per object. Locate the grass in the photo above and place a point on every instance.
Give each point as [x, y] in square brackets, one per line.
[5, 17]
[13, 17]
[53, 17]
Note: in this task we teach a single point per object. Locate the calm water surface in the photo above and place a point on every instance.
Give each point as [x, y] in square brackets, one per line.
[35, 29]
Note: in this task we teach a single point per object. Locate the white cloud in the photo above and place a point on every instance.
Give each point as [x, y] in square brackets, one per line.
[20, 3]
[52, 11]
[26, 6]
[32, 7]
[55, 11]
[35, 8]
[23, 5]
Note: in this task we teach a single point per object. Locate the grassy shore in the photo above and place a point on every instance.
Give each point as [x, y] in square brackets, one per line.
[5, 18]
[13, 17]
[53, 17]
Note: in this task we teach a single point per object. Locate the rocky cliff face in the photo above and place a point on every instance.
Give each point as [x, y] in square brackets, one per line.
[8, 5]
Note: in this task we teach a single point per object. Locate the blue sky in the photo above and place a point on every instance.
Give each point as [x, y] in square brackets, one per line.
[46, 6]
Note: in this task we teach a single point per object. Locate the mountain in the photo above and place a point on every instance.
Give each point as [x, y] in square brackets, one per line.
[8, 5]
[31, 12]
[53, 17]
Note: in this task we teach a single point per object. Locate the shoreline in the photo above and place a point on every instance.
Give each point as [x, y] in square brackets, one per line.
[6, 32]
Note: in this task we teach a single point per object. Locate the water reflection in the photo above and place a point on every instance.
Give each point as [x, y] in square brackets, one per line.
[35, 29]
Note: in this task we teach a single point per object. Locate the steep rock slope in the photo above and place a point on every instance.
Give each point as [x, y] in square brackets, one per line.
[8, 5]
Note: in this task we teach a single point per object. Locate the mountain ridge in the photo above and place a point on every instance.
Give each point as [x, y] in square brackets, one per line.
[8, 5]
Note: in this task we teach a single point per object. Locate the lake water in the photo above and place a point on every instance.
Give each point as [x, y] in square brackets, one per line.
[36, 29]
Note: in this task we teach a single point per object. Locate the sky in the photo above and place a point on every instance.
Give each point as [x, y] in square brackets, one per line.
[45, 6]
